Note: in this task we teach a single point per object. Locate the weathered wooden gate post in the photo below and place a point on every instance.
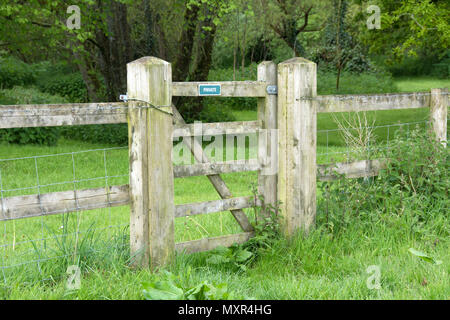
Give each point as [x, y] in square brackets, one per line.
[267, 149]
[149, 84]
[438, 114]
[297, 125]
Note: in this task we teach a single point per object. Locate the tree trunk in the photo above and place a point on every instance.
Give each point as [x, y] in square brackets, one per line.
[180, 68]
[89, 77]
[150, 45]
[190, 108]
[338, 78]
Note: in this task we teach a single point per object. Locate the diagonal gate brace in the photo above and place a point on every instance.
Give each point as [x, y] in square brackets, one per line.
[215, 179]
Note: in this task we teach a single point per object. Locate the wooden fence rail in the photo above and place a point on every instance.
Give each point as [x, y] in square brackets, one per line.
[255, 89]
[19, 207]
[286, 162]
[373, 102]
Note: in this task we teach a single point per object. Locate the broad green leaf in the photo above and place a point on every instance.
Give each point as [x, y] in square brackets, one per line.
[217, 259]
[163, 290]
[424, 256]
[243, 255]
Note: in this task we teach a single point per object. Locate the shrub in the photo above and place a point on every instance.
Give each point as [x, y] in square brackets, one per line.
[168, 286]
[21, 95]
[412, 191]
[216, 112]
[351, 83]
[227, 74]
[42, 136]
[413, 186]
[116, 134]
[422, 65]
[71, 86]
[441, 69]
[14, 72]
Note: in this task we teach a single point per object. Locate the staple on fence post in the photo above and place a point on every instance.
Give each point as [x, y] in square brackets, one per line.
[297, 127]
[149, 85]
[438, 114]
[267, 148]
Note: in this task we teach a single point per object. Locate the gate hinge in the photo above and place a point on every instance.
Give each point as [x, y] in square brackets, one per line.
[272, 89]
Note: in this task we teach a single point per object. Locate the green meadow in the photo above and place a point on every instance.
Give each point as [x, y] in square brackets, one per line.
[331, 263]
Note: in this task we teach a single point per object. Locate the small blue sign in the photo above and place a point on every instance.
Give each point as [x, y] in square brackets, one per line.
[209, 90]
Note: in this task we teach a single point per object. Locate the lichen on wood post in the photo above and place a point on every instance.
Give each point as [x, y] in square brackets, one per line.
[297, 125]
[267, 147]
[151, 170]
[438, 114]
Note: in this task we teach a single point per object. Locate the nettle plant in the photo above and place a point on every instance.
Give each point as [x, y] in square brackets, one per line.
[168, 286]
[414, 184]
[267, 230]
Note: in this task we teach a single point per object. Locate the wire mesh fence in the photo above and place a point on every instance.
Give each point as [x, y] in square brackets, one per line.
[29, 243]
[35, 246]
[360, 143]
[353, 143]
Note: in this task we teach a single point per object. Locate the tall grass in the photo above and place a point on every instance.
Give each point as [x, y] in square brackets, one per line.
[360, 223]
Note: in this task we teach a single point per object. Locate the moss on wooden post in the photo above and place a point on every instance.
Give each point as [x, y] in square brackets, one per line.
[151, 170]
[268, 149]
[438, 114]
[297, 125]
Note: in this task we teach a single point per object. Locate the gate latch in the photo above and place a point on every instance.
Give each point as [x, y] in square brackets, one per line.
[123, 97]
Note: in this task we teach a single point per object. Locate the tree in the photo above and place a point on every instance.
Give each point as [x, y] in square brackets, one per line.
[289, 18]
[100, 48]
[339, 49]
[408, 27]
[194, 58]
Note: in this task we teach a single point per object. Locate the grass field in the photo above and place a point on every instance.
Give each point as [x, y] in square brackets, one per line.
[405, 84]
[325, 265]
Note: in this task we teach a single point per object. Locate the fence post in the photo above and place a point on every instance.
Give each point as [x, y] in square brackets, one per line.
[297, 125]
[438, 114]
[149, 85]
[267, 148]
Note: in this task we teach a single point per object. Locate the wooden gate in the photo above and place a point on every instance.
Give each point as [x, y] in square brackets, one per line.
[154, 122]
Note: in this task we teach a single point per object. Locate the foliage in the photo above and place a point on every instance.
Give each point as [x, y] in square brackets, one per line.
[290, 19]
[415, 183]
[228, 74]
[42, 135]
[424, 64]
[170, 287]
[267, 224]
[408, 27]
[339, 50]
[351, 83]
[419, 166]
[14, 72]
[424, 256]
[267, 231]
[115, 134]
[441, 68]
[214, 111]
[328, 264]
[70, 86]
[234, 256]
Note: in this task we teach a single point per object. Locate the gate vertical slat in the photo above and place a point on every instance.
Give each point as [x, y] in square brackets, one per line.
[267, 147]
